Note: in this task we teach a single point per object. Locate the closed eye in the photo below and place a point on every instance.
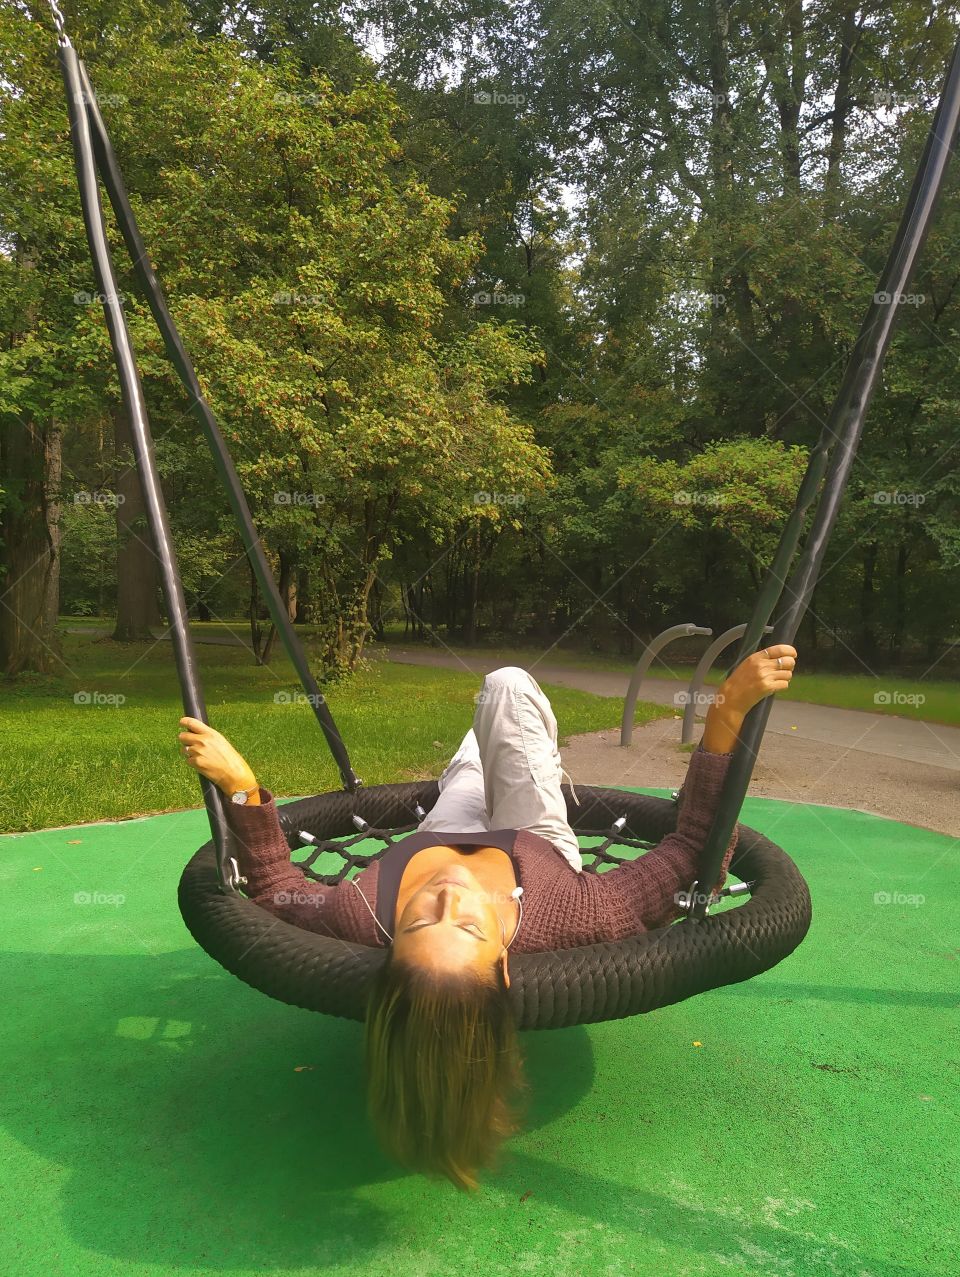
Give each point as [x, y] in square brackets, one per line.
[464, 926]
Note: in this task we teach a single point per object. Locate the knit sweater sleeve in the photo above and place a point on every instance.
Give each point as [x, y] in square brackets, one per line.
[648, 886]
[273, 881]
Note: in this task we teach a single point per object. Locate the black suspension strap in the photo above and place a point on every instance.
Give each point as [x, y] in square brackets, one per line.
[88, 134]
[830, 464]
[135, 407]
[113, 181]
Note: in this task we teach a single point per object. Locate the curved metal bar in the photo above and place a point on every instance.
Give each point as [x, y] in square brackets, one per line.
[650, 653]
[846, 425]
[113, 181]
[700, 673]
[135, 407]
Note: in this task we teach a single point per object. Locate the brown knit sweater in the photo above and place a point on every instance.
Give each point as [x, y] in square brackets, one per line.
[561, 908]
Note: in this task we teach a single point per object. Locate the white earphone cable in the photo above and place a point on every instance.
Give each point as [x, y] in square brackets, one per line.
[370, 911]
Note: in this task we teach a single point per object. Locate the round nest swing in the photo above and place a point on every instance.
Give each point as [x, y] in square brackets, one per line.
[548, 990]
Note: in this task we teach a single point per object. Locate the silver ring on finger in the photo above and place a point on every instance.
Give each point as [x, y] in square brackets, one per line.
[779, 662]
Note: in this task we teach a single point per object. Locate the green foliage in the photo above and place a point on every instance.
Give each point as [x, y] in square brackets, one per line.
[309, 272]
[472, 315]
[88, 558]
[741, 491]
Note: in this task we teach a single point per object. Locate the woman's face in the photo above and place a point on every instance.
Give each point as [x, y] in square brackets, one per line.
[453, 922]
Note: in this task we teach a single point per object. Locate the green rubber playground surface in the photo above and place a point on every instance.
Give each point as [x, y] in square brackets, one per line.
[159, 1117]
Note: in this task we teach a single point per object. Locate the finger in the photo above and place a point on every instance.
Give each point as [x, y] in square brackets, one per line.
[195, 724]
[781, 663]
[780, 649]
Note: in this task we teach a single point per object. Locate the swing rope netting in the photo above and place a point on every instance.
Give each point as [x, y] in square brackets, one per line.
[548, 989]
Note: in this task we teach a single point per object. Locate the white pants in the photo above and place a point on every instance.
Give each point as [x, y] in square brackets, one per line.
[507, 772]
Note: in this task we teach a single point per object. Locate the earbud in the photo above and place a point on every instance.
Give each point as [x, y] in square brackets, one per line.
[515, 895]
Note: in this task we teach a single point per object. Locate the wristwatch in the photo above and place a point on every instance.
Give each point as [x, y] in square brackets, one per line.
[241, 796]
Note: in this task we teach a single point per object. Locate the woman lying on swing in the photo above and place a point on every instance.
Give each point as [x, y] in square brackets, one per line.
[442, 1057]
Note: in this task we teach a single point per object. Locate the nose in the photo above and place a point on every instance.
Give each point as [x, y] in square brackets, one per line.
[448, 897]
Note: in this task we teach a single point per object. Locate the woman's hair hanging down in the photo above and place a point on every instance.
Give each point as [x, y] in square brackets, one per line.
[443, 1068]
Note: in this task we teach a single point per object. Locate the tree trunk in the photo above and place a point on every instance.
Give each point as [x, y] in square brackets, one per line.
[30, 463]
[268, 646]
[416, 596]
[840, 116]
[790, 100]
[287, 585]
[303, 597]
[472, 593]
[54, 472]
[138, 579]
[357, 628]
[868, 636]
[899, 604]
[721, 159]
[406, 610]
[253, 613]
[377, 618]
[451, 580]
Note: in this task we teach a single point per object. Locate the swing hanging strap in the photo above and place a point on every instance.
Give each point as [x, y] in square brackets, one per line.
[92, 152]
[837, 445]
[113, 181]
[135, 407]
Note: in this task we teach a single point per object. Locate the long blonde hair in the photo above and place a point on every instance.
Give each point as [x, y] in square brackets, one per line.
[443, 1068]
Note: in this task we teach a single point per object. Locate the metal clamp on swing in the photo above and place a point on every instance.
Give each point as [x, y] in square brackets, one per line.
[686, 900]
[236, 878]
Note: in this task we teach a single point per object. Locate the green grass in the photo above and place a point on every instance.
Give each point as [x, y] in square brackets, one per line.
[927, 700]
[67, 763]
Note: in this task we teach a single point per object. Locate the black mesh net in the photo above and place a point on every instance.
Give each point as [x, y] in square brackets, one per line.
[357, 851]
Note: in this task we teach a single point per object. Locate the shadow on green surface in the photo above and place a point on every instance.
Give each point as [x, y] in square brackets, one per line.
[170, 1094]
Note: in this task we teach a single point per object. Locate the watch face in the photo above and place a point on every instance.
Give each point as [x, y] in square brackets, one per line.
[240, 797]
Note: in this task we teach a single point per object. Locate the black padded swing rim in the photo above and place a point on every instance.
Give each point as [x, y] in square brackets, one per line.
[548, 990]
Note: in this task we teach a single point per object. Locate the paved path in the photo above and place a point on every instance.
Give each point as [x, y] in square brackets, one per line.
[892, 767]
[886, 734]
